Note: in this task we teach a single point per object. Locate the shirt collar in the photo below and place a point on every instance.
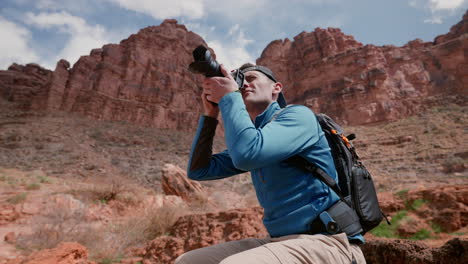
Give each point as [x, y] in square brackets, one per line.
[265, 117]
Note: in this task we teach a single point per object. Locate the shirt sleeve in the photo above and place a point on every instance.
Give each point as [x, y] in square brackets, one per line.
[202, 164]
[290, 133]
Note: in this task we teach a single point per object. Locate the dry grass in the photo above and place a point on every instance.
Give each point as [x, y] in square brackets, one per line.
[105, 193]
[105, 242]
[58, 225]
[17, 198]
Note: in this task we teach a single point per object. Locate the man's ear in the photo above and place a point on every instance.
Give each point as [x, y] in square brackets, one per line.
[278, 87]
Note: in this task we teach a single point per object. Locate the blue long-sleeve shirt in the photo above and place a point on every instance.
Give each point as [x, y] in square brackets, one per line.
[291, 197]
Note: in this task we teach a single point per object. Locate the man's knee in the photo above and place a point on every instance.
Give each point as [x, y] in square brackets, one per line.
[181, 259]
[191, 257]
[197, 256]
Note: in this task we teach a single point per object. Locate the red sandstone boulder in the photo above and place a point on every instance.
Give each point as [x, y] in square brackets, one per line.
[383, 251]
[8, 213]
[175, 182]
[10, 238]
[446, 206]
[163, 250]
[64, 253]
[196, 231]
[213, 228]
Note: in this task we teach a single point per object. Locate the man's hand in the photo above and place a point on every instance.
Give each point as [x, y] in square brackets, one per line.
[209, 109]
[215, 88]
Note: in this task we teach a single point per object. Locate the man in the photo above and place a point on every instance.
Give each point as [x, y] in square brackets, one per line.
[259, 138]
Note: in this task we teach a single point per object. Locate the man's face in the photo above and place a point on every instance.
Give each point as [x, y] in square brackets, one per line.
[257, 89]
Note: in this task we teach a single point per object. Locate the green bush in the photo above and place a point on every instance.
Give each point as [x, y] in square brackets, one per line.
[33, 186]
[402, 194]
[421, 234]
[389, 231]
[415, 205]
[18, 198]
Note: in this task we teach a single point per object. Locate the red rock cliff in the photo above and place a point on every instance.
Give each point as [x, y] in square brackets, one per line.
[332, 73]
[144, 80]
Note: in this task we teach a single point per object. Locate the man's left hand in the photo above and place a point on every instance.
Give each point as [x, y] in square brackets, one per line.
[216, 87]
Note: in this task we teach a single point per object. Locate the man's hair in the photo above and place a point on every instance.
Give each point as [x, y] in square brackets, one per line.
[246, 67]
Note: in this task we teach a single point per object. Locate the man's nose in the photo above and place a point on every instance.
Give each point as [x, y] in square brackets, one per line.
[245, 85]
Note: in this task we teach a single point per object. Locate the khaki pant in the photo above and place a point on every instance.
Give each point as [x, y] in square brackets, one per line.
[282, 250]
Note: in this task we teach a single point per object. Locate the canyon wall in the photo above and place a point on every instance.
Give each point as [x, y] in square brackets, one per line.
[332, 73]
[145, 80]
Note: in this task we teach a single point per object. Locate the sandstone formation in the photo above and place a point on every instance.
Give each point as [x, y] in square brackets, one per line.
[405, 252]
[175, 182]
[65, 253]
[21, 84]
[445, 208]
[332, 73]
[195, 231]
[449, 202]
[145, 80]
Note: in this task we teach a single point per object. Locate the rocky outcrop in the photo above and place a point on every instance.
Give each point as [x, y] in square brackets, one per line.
[404, 252]
[202, 230]
[175, 182]
[144, 80]
[445, 206]
[21, 84]
[65, 253]
[196, 231]
[355, 84]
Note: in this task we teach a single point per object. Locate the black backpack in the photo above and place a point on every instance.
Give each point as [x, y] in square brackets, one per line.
[356, 187]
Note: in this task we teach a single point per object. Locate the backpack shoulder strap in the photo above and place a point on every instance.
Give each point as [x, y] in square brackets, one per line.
[304, 164]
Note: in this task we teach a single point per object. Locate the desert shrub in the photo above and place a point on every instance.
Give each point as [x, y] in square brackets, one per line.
[161, 220]
[402, 194]
[44, 179]
[199, 201]
[17, 198]
[421, 234]
[98, 193]
[389, 231]
[453, 164]
[436, 228]
[134, 231]
[56, 226]
[415, 205]
[33, 186]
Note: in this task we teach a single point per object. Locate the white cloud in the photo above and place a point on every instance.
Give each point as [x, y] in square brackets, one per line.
[445, 4]
[440, 9]
[434, 20]
[161, 9]
[232, 53]
[82, 36]
[14, 44]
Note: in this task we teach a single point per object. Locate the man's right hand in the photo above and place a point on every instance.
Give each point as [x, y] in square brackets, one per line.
[209, 109]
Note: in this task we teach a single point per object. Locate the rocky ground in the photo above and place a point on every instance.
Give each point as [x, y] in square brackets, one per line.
[119, 190]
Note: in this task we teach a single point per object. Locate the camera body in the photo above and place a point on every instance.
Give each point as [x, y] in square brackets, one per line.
[205, 64]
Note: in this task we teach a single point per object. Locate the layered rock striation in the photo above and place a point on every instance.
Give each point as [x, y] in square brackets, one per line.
[143, 80]
[332, 73]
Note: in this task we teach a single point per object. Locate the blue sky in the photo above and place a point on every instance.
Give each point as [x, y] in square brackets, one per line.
[44, 31]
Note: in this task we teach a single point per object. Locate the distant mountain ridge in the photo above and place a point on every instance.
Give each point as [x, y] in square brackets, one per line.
[332, 73]
[145, 80]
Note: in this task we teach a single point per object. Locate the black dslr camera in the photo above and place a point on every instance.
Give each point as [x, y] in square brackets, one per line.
[206, 65]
